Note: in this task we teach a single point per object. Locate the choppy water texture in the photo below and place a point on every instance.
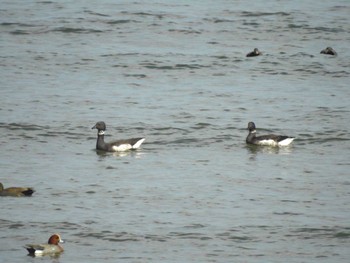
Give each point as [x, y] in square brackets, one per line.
[176, 72]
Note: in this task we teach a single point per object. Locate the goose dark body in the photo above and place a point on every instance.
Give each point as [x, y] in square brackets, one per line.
[115, 146]
[328, 51]
[271, 139]
[254, 53]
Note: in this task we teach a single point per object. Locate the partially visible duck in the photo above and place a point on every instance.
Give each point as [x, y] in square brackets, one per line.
[271, 139]
[116, 146]
[254, 53]
[52, 247]
[328, 51]
[16, 191]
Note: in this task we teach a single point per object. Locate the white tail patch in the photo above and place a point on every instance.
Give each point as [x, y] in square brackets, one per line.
[286, 142]
[138, 144]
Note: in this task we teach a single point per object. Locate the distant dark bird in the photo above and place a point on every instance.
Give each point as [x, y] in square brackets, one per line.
[271, 139]
[16, 191]
[254, 53]
[116, 146]
[328, 51]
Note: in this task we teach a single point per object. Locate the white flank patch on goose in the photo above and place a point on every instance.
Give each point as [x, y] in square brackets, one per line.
[268, 142]
[122, 147]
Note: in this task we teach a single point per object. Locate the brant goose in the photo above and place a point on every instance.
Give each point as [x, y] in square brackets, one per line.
[16, 191]
[52, 247]
[272, 140]
[116, 146]
[254, 53]
[329, 51]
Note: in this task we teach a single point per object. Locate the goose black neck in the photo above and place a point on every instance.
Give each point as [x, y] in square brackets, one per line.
[100, 143]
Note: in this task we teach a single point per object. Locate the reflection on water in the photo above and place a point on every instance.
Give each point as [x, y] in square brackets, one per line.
[54, 257]
[256, 149]
[133, 153]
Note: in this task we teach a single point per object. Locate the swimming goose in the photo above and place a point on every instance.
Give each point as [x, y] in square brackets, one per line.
[116, 146]
[328, 51]
[254, 53]
[271, 139]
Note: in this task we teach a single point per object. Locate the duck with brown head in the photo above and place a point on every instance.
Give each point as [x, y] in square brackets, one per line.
[51, 248]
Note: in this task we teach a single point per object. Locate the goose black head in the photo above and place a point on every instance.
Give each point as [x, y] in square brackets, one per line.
[101, 126]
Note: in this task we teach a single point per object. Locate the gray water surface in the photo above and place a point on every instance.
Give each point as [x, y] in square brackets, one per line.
[176, 73]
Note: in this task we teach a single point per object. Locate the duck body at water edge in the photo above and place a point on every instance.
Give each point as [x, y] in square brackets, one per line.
[268, 140]
[328, 51]
[254, 53]
[16, 191]
[51, 248]
[115, 146]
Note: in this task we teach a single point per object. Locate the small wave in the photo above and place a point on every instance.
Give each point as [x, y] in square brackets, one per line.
[45, 2]
[186, 141]
[295, 26]
[185, 31]
[139, 76]
[218, 20]
[336, 232]
[342, 234]
[76, 30]
[16, 24]
[95, 13]
[120, 54]
[121, 21]
[195, 226]
[201, 125]
[18, 224]
[20, 126]
[190, 235]
[110, 236]
[327, 29]
[173, 67]
[19, 32]
[326, 140]
[254, 14]
[232, 235]
[159, 16]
